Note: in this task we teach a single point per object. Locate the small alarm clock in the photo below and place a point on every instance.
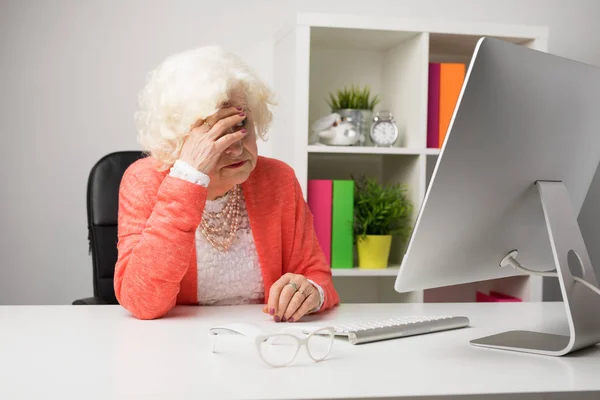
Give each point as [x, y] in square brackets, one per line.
[384, 131]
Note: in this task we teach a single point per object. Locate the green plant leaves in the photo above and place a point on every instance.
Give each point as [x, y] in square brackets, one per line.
[353, 98]
[381, 210]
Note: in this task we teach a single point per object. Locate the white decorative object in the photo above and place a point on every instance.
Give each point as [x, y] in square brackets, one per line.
[331, 130]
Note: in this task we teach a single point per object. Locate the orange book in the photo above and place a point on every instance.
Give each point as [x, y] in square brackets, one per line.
[452, 77]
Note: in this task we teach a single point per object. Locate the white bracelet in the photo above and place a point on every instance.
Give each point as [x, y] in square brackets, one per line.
[321, 296]
[185, 171]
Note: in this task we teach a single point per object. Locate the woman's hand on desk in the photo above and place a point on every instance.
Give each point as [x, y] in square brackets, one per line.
[292, 297]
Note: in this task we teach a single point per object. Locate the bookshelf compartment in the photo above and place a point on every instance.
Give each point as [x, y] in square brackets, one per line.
[392, 63]
[517, 286]
[458, 49]
[387, 169]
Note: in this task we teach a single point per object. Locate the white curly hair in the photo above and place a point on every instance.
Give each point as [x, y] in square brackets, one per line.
[191, 86]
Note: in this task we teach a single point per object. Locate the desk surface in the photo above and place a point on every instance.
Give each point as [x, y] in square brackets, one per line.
[102, 352]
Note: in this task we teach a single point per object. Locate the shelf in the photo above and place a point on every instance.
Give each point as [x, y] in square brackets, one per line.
[358, 39]
[463, 45]
[431, 152]
[390, 271]
[370, 150]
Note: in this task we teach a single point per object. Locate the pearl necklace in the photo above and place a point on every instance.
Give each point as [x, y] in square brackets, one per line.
[220, 228]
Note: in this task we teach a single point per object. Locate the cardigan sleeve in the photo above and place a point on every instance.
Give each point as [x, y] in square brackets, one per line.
[157, 221]
[306, 257]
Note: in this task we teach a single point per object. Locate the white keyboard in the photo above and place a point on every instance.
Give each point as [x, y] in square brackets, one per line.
[375, 330]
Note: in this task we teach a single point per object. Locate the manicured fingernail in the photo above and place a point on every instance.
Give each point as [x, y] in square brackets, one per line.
[283, 319]
[291, 319]
[244, 130]
[239, 108]
[277, 319]
[242, 114]
[272, 311]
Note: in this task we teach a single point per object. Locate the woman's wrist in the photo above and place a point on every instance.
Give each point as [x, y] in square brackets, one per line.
[185, 171]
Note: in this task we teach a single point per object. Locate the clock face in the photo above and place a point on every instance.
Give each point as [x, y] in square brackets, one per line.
[384, 133]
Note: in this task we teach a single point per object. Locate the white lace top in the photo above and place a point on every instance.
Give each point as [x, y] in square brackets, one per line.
[233, 276]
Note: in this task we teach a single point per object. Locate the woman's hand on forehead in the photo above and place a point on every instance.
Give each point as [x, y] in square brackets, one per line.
[228, 103]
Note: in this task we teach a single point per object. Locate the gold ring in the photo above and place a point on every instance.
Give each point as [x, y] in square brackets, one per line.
[292, 284]
[303, 292]
[207, 124]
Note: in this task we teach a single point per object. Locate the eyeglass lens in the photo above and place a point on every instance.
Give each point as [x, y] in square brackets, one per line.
[279, 350]
[319, 344]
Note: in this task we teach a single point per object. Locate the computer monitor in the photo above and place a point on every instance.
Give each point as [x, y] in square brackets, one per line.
[513, 172]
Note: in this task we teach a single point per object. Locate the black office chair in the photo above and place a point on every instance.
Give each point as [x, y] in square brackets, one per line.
[102, 208]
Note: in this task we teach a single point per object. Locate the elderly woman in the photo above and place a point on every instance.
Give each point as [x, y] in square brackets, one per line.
[203, 219]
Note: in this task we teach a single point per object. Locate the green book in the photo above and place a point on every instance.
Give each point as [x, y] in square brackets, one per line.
[342, 219]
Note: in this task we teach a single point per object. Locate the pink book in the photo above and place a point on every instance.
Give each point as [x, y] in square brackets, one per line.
[319, 198]
[495, 297]
[504, 297]
[433, 106]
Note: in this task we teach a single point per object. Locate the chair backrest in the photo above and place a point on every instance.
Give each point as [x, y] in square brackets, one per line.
[102, 208]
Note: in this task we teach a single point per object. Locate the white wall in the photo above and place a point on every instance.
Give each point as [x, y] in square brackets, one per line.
[70, 71]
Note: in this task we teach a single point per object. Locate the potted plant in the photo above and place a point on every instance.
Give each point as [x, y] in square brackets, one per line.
[355, 105]
[380, 212]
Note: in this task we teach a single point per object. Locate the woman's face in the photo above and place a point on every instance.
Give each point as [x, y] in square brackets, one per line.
[238, 160]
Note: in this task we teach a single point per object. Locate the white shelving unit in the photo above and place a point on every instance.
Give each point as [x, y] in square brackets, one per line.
[316, 54]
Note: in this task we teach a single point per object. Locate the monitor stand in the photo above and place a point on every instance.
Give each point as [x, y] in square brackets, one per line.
[581, 303]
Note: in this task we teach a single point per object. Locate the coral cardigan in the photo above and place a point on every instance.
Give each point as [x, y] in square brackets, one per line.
[158, 217]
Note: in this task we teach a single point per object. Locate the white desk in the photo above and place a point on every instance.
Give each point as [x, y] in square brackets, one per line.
[101, 352]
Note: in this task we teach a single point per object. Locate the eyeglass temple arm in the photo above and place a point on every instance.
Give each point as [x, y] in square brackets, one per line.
[214, 347]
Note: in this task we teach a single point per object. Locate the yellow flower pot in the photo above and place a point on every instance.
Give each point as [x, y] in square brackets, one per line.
[374, 251]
